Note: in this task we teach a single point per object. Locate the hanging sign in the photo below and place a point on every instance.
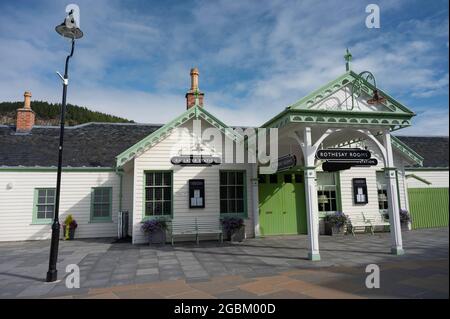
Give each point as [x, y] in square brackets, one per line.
[195, 160]
[342, 154]
[286, 162]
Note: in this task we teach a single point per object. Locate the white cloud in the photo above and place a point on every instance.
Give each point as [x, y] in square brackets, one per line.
[255, 57]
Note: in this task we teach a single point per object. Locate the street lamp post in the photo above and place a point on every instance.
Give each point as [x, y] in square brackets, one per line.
[68, 29]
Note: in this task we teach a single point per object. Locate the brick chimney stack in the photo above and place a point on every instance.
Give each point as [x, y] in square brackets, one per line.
[25, 115]
[191, 94]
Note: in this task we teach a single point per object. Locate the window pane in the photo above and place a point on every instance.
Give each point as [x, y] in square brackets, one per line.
[261, 178]
[50, 192]
[166, 207]
[239, 178]
[239, 191]
[149, 194]
[167, 193]
[41, 200]
[231, 192]
[273, 179]
[240, 206]
[149, 179]
[223, 206]
[158, 208]
[167, 179]
[298, 178]
[231, 206]
[158, 193]
[223, 178]
[42, 193]
[158, 179]
[231, 178]
[223, 192]
[287, 178]
[149, 208]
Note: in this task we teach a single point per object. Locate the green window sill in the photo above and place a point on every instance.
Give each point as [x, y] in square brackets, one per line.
[42, 222]
[165, 217]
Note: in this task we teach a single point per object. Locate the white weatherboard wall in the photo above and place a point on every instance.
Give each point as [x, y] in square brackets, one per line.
[371, 208]
[438, 179]
[158, 158]
[16, 204]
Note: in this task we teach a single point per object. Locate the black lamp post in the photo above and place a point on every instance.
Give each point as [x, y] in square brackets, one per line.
[68, 29]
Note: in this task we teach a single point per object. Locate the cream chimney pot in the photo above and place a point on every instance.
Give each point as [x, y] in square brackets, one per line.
[194, 79]
[27, 101]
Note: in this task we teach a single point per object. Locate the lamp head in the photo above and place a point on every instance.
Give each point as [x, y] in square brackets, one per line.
[69, 28]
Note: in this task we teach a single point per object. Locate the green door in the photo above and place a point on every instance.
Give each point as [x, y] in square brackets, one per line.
[282, 209]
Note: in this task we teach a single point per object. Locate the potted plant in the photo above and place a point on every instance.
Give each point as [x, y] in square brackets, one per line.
[335, 223]
[69, 227]
[234, 228]
[405, 219]
[156, 230]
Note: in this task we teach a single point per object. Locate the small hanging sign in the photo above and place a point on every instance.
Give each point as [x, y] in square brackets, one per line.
[195, 160]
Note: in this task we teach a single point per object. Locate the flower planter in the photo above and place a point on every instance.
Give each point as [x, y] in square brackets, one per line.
[157, 237]
[238, 235]
[332, 230]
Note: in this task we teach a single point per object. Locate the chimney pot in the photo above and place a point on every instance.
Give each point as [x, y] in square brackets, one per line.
[194, 92]
[27, 100]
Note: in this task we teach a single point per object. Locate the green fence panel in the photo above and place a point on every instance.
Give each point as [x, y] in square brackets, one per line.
[428, 207]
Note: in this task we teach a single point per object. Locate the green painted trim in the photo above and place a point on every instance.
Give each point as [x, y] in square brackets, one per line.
[405, 149]
[165, 217]
[337, 181]
[34, 219]
[314, 257]
[401, 117]
[54, 169]
[244, 214]
[397, 251]
[426, 169]
[398, 190]
[164, 131]
[103, 219]
[423, 180]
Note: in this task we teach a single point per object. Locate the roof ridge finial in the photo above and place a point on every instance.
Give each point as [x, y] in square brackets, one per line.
[348, 57]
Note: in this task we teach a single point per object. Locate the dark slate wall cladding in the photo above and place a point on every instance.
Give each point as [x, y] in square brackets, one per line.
[89, 145]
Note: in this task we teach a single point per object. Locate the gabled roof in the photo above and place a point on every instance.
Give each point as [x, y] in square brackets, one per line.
[396, 115]
[433, 149]
[195, 112]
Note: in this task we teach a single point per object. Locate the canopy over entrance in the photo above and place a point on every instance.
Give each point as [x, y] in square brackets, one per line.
[351, 108]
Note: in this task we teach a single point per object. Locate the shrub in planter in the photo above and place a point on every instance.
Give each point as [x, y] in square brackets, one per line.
[69, 227]
[405, 218]
[155, 230]
[234, 228]
[336, 223]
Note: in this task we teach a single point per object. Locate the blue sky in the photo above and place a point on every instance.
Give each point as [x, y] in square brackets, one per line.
[255, 57]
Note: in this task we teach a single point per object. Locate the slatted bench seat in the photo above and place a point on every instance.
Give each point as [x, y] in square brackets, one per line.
[196, 227]
[358, 221]
[209, 226]
[182, 227]
[377, 221]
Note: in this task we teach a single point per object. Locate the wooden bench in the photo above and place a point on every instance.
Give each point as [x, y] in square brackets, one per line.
[183, 227]
[358, 221]
[197, 227]
[377, 221]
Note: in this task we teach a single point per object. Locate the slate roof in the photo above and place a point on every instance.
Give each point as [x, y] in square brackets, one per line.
[433, 149]
[97, 145]
[85, 145]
